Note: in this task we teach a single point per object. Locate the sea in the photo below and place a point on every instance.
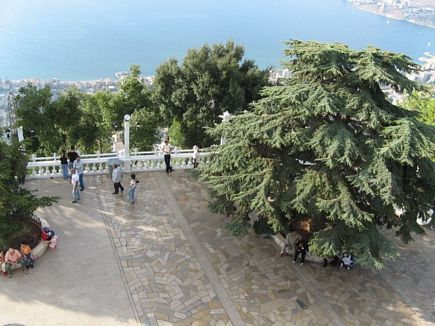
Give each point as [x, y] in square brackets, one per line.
[92, 39]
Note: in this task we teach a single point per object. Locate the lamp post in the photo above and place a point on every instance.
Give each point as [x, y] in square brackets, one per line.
[225, 118]
[127, 135]
[20, 134]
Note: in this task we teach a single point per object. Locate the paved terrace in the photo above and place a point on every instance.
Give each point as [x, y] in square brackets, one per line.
[168, 261]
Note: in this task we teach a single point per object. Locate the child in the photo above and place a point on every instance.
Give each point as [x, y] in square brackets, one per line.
[75, 179]
[132, 188]
[300, 250]
[26, 253]
[347, 261]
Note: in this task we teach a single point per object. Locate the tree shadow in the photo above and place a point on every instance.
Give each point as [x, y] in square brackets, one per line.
[79, 282]
[402, 292]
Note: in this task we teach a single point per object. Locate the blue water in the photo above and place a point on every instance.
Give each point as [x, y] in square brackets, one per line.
[89, 39]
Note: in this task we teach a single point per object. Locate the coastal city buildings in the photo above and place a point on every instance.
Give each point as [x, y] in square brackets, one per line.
[87, 86]
[420, 12]
[426, 75]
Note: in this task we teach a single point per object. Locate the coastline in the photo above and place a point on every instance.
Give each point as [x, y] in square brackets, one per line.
[411, 15]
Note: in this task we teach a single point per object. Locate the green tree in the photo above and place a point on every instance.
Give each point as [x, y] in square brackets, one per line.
[17, 204]
[134, 98]
[49, 124]
[65, 114]
[132, 95]
[93, 131]
[210, 81]
[175, 134]
[327, 147]
[144, 128]
[424, 103]
[31, 114]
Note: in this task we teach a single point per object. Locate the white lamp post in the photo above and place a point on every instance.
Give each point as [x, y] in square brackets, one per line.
[127, 135]
[225, 118]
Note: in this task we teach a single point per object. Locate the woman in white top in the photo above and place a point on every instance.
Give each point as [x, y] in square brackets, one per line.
[195, 156]
[132, 188]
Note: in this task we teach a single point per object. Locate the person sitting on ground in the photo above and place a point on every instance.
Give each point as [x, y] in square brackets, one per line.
[2, 263]
[300, 249]
[12, 258]
[334, 261]
[291, 239]
[26, 253]
[347, 261]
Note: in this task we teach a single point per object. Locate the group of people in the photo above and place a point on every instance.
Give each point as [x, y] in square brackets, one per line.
[13, 257]
[117, 177]
[72, 169]
[294, 243]
[166, 148]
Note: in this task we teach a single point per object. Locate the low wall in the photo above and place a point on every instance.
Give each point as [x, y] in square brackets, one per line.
[40, 249]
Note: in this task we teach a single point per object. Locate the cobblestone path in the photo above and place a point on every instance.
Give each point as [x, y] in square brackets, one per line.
[182, 267]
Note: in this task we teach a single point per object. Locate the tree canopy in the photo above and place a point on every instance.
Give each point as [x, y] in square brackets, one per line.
[210, 81]
[326, 147]
[17, 204]
[86, 120]
[424, 103]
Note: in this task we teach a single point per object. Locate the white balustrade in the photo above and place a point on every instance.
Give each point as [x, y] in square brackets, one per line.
[94, 164]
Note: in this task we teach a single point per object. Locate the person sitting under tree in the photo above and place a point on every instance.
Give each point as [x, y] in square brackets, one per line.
[26, 253]
[12, 258]
[347, 261]
[2, 263]
[300, 249]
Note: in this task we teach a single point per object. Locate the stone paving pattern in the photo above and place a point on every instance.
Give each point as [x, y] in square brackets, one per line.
[169, 285]
[167, 260]
[165, 279]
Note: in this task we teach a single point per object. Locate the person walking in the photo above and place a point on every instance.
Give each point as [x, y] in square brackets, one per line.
[132, 188]
[166, 148]
[116, 178]
[75, 180]
[78, 166]
[64, 164]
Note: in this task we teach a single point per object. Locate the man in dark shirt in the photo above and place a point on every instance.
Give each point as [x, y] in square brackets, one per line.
[72, 155]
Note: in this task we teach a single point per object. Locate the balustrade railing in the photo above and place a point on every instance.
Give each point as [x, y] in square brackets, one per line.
[98, 163]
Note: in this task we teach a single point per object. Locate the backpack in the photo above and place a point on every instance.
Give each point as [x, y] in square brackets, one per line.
[47, 234]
